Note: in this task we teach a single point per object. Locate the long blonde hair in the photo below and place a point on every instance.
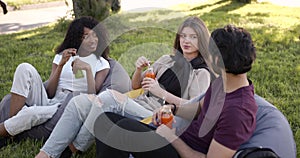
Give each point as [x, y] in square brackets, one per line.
[201, 30]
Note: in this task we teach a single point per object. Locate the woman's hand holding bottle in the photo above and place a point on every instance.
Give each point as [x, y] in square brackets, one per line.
[152, 85]
[149, 76]
[78, 66]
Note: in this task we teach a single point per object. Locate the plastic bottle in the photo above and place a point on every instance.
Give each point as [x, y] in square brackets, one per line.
[167, 116]
[79, 73]
[150, 73]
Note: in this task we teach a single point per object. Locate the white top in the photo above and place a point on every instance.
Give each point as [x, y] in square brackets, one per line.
[67, 79]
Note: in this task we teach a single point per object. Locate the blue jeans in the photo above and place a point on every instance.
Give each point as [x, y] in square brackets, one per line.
[76, 125]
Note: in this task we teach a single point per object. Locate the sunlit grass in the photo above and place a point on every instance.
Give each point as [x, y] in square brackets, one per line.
[18, 3]
[28, 35]
[270, 14]
[290, 3]
[298, 68]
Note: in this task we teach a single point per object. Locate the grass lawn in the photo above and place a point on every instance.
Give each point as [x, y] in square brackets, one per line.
[275, 30]
[18, 3]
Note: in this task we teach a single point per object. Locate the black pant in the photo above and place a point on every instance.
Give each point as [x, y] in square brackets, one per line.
[118, 136]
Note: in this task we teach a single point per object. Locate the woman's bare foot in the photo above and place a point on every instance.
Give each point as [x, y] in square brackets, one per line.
[42, 154]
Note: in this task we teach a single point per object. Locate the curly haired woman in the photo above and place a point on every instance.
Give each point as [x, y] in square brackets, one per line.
[83, 51]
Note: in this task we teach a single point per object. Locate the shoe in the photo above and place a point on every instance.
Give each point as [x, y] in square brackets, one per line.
[3, 142]
[67, 153]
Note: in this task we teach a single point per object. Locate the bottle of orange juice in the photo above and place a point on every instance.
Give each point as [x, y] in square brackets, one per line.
[167, 116]
[150, 73]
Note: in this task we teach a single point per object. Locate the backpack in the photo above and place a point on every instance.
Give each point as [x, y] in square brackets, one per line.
[255, 152]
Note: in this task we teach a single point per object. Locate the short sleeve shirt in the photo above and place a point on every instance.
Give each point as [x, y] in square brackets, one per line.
[234, 125]
[67, 78]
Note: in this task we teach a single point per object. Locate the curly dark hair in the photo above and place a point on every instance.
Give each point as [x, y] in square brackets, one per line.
[73, 38]
[236, 47]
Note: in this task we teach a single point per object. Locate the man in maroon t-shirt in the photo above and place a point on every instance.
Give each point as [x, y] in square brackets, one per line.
[228, 129]
[224, 119]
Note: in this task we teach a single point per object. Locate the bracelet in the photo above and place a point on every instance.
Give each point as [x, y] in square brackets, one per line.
[174, 109]
[164, 100]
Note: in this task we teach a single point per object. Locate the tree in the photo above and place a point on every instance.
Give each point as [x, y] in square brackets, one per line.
[245, 1]
[99, 9]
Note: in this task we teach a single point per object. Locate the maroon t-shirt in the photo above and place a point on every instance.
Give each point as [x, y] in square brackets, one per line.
[230, 119]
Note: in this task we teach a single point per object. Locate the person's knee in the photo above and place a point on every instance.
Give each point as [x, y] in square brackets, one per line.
[80, 105]
[24, 69]
[119, 97]
[72, 104]
[24, 66]
[76, 101]
[108, 92]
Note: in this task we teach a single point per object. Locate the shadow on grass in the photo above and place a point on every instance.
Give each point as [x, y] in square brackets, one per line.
[11, 27]
[208, 5]
[233, 5]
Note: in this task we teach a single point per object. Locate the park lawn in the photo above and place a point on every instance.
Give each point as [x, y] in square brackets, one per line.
[18, 3]
[274, 29]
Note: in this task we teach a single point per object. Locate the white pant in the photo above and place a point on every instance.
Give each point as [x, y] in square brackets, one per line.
[28, 83]
[76, 125]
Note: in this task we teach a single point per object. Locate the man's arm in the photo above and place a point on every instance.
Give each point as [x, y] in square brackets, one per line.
[189, 111]
[181, 147]
[185, 151]
[216, 150]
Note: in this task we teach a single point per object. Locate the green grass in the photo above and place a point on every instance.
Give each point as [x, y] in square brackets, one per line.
[18, 3]
[275, 30]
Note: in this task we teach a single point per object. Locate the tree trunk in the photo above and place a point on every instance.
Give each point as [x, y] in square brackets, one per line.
[99, 9]
[76, 8]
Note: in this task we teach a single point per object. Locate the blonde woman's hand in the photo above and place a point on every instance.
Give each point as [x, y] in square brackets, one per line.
[141, 62]
[152, 85]
[66, 54]
[156, 117]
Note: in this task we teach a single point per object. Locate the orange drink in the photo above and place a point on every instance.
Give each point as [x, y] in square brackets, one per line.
[167, 116]
[150, 73]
